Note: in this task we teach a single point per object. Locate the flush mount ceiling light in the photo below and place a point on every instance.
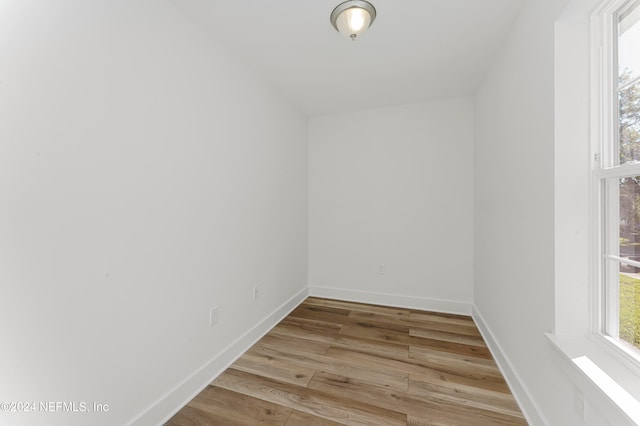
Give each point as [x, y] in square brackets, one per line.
[353, 17]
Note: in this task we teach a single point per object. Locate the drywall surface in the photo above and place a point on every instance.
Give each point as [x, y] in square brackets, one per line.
[145, 177]
[391, 205]
[514, 214]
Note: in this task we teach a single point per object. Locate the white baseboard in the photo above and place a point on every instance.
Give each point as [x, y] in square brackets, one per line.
[527, 404]
[168, 405]
[396, 300]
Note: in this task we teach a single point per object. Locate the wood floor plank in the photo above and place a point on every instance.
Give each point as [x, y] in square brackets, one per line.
[473, 396]
[426, 316]
[428, 406]
[189, 416]
[450, 347]
[389, 378]
[318, 404]
[302, 328]
[447, 336]
[274, 369]
[378, 323]
[280, 341]
[374, 362]
[458, 369]
[490, 380]
[437, 357]
[387, 333]
[388, 350]
[379, 333]
[313, 325]
[434, 323]
[434, 420]
[467, 377]
[415, 421]
[298, 418]
[216, 406]
[360, 307]
[324, 313]
[334, 363]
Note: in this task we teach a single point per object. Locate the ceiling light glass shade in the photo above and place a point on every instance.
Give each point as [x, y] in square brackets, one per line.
[353, 17]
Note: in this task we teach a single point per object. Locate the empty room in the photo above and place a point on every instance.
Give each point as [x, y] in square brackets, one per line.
[320, 212]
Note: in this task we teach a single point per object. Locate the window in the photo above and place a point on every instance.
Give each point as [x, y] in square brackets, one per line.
[617, 180]
[591, 42]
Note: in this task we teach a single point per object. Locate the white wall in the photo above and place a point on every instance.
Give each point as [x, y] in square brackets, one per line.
[144, 178]
[393, 187]
[514, 215]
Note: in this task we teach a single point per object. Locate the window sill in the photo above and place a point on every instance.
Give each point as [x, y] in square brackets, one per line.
[605, 382]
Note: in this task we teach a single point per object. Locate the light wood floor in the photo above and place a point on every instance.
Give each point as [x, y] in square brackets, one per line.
[332, 362]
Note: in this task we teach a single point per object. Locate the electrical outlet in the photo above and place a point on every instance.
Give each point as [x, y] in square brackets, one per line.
[214, 316]
[380, 269]
[256, 292]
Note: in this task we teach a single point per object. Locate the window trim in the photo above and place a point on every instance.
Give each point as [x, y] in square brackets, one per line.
[618, 351]
[605, 166]
[577, 56]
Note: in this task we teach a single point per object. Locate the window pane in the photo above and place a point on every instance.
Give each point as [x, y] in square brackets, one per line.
[629, 217]
[629, 326]
[629, 83]
[628, 38]
[624, 278]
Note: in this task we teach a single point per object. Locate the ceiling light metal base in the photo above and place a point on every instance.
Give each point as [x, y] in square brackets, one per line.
[342, 7]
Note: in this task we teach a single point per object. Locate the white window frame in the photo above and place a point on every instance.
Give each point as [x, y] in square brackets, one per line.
[611, 389]
[605, 155]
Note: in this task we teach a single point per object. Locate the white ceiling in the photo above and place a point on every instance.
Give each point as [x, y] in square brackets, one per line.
[416, 50]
